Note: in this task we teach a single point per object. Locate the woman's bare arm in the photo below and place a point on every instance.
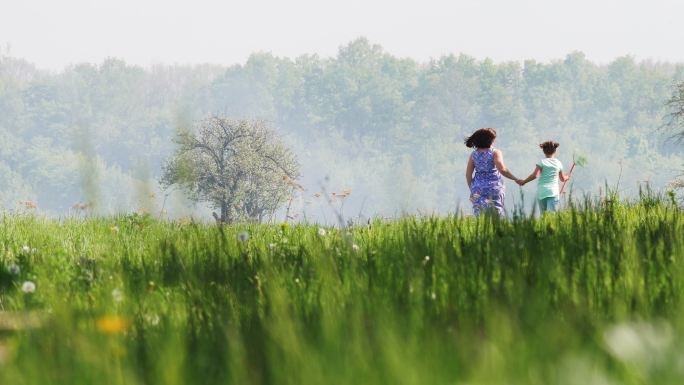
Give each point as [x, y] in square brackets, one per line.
[532, 176]
[470, 168]
[499, 163]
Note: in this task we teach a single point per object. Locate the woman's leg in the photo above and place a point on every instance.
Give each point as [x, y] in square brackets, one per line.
[476, 199]
[498, 203]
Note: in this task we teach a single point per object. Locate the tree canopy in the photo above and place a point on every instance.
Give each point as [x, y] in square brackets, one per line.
[239, 167]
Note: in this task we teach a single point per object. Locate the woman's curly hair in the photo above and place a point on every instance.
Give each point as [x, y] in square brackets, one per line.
[482, 138]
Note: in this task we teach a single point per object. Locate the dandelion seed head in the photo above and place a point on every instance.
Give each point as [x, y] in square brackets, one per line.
[638, 341]
[321, 231]
[28, 287]
[433, 295]
[243, 236]
[13, 269]
[271, 245]
[152, 319]
[355, 247]
[26, 249]
[427, 258]
[117, 295]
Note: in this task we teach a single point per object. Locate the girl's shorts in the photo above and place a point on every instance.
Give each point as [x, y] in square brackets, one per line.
[549, 204]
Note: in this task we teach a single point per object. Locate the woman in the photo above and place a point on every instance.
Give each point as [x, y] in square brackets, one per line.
[487, 189]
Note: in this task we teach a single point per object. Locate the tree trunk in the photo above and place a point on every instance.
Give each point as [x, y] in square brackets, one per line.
[224, 211]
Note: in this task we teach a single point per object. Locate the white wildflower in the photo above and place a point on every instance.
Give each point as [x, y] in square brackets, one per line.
[13, 269]
[243, 236]
[284, 240]
[427, 258]
[433, 295]
[28, 287]
[26, 249]
[355, 247]
[152, 319]
[117, 295]
[271, 246]
[638, 341]
[321, 231]
[296, 280]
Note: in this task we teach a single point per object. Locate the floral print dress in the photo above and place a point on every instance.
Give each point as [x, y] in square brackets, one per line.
[487, 191]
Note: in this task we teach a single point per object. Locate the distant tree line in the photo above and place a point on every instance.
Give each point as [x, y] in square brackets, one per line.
[387, 128]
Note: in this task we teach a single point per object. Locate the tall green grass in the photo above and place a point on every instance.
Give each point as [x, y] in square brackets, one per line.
[592, 295]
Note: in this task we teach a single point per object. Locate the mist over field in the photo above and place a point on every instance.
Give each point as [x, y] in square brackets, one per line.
[389, 129]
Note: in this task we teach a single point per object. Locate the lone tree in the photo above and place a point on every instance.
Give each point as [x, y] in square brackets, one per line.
[239, 167]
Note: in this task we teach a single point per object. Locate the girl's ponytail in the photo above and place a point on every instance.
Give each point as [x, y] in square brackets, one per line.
[549, 147]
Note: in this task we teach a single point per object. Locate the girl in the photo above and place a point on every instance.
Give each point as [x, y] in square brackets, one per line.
[486, 187]
[550, 171]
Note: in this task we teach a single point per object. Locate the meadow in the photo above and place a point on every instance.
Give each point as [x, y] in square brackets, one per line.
[592, 295]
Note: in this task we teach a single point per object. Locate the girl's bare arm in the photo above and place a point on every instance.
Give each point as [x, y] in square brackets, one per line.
[499, 163]
[532, 176]
[563, 178]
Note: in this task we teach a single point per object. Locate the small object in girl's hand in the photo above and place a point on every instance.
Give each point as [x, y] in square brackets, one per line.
[580, 161]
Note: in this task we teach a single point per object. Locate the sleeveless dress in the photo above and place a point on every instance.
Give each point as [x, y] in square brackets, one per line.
[487, 191]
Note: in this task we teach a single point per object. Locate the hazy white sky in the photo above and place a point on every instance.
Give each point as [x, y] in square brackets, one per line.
[55, 33]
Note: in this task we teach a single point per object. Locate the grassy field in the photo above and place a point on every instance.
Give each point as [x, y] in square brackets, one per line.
[594, 295]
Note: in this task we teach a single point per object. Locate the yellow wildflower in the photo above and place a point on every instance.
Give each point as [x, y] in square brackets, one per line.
[112, 324]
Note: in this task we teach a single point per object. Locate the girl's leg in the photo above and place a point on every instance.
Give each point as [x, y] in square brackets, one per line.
[542, 205]
[552, 204]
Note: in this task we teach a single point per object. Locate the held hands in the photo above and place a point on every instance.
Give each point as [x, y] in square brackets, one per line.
[520, 182]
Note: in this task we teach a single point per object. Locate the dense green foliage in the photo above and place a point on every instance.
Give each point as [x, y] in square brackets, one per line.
[385, 127]
[591, 295]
